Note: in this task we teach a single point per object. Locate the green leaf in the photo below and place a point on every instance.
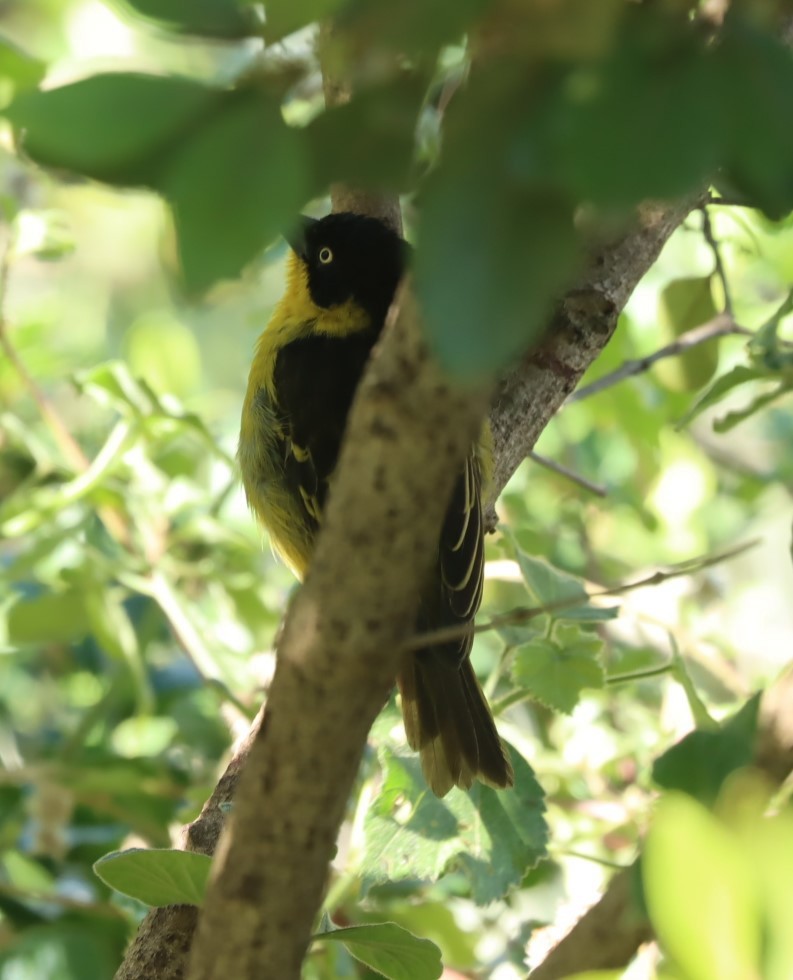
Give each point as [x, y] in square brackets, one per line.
[684, 304]
[209, 18]
[234, 186]
[619, 129]
[45, 234]
[701, 762]
[755, 69]
[370, 140]
[739, 375]
[555, 671]
[495, 244]
[389, 950]
[549, 586]
[495, 836]
[769, 845]
[731, 419]
[700, 893]
[157, 877]
[488, 271]
[18, 67]
[117, 128]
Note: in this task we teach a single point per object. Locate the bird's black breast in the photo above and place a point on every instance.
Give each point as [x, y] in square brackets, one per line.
[315, 380]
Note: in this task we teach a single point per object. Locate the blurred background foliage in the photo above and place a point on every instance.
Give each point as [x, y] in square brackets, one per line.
[138, 602]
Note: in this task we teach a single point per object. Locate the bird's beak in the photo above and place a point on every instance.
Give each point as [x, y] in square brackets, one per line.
[296, 236]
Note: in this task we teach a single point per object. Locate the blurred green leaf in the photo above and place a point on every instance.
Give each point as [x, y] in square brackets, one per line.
[157, 877]
[494, 836]
[227, 19]
[69, 949]
[556, 671]
[492, 256]
[21, 68]
[370, 140]
[739, 375]
[700, 893]
[687, 303]
[731, 419]
[620, 133]
[118, 128]
[700, 762]
[45, 234]
[389, 950]
[755, 68]
[235, 185]
[549, 586]
[52, 617]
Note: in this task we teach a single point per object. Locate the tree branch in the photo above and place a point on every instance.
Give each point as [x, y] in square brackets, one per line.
[408, 432]
[527, 400]
[722, 325]
[531, 394]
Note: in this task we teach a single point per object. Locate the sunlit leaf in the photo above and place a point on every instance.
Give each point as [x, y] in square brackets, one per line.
[700, 893]
[157, 877]
[495, 836]
[389, 950]
[687, 303]
[52, 617]
[556, 671]
[700, 762]
[18, 69]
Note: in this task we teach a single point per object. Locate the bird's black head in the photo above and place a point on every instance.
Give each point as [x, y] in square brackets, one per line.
[350, 257]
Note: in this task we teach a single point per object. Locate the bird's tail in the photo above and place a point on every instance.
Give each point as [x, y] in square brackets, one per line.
[448, 721]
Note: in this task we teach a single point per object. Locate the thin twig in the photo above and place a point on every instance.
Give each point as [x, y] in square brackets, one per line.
[581, 481]
[722, 325]
[523, 615]
[710, 238]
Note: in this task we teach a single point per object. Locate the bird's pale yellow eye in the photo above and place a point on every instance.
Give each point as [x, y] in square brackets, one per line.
[325, 255]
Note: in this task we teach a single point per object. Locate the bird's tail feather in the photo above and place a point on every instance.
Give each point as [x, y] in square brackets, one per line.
[448, 722]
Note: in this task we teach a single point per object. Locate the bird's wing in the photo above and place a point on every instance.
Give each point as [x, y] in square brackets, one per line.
[461, 558]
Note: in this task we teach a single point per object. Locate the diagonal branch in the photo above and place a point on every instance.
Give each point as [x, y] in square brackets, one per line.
[408, 432]
[527, 399]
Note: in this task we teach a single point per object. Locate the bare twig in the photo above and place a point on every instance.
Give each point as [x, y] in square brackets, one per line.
[710, 238]
[605, 937]
[722, 325]
[525, 614]
[551, 464]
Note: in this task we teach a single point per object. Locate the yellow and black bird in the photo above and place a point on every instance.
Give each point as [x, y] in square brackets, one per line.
[342, 273]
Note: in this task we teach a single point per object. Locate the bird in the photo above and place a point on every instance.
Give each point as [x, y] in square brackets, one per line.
[341, 276]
